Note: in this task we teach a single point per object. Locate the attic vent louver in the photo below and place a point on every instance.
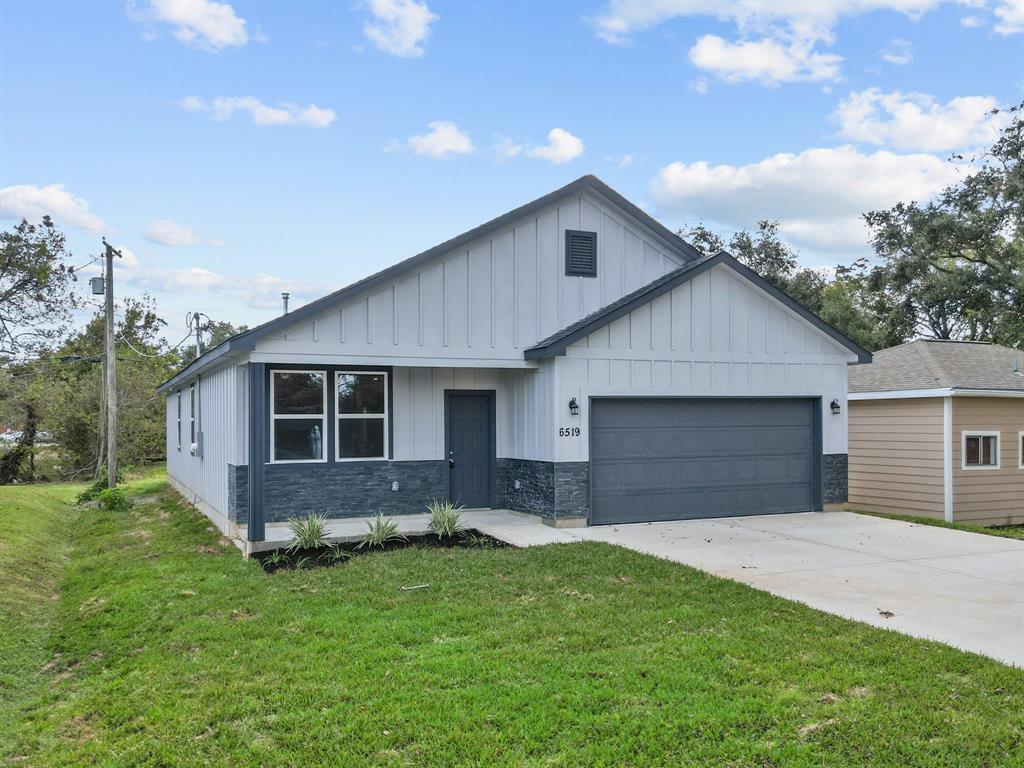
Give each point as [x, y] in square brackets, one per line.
[580, 253]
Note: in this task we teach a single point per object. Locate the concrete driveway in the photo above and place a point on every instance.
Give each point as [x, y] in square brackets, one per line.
[963, 589]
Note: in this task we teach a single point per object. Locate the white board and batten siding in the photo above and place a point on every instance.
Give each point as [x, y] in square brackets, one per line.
[221, 399]
[487, 301]
[716, 335]
[523, 401]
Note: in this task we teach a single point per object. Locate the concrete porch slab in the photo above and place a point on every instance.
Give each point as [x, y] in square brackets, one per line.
[515, 528]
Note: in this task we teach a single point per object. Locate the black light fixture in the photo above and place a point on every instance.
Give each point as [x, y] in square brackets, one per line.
[834, 405]
[574, 407]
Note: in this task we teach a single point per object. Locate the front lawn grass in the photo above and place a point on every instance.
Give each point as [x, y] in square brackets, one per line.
[167, 648]
[1006, 531]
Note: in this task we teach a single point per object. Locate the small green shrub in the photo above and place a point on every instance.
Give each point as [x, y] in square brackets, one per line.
[114, 499]
[277, 557]
[308, 532]
[92, 491]
[445, 519]
[380, 532]
[335, 555]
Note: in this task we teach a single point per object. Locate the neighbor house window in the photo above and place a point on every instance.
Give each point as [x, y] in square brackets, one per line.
[980, 450]
[191, 415]
[179, 419]
[362, 402]
[298, 402]
[1020, 450]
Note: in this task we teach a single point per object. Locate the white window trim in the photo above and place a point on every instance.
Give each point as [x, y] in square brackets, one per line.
[274, 418]
[979, 433]
[386, 417]
[192, 418]
[179, 419]
[1020, 449]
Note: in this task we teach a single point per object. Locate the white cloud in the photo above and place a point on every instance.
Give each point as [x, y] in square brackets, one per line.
[700, 85]
[31, 202]
[917, 121]
[897, 52]
[970, 22]
[1010, 15]
[562, 147]
[400, 27]
[443, 138]
[817, 195]
[777, 40]
[508, 147]
[169, 233]
[767, 61]
[256, 290]
[223, 107]
[201, 23]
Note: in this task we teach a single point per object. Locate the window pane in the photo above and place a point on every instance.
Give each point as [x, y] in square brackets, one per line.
[361, 438]
[297, 439]
[988, 452]
[361, 393]
[973, 446]
[298, 393]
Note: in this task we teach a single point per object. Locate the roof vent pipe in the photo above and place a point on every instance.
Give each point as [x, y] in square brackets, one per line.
[284, 300]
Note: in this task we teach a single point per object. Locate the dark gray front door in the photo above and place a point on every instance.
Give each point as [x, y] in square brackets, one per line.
[678, 459]
[470, 447]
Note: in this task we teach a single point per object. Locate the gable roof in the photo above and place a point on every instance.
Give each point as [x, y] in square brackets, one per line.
[940, 364]
[557, 343]
[245, 341]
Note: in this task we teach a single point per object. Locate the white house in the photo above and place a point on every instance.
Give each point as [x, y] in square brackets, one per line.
[572, 358]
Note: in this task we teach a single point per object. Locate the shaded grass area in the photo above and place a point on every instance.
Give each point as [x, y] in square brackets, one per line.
[35, 522]
[1006, 531]
[170, 649]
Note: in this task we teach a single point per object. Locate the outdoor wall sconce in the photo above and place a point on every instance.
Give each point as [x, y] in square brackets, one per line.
[574, 407]
[834, 405]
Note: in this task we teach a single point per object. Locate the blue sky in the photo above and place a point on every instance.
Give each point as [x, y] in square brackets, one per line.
[239, 149]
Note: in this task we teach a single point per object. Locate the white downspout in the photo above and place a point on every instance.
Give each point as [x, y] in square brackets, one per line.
[947, 457]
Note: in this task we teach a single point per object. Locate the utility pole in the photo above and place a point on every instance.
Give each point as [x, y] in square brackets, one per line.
[109, 360]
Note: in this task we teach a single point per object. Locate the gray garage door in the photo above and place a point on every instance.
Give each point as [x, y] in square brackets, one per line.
[679, 459]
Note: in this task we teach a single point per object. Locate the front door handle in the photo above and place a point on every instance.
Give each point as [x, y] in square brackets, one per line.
[451, 460]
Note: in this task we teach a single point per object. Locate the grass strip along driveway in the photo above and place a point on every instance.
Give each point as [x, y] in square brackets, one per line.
[155, 643]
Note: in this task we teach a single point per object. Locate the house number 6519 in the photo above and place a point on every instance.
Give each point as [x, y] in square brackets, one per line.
[568, 431]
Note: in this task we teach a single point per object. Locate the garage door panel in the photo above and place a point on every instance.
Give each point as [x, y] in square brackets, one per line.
[672, 459]
[698, 442]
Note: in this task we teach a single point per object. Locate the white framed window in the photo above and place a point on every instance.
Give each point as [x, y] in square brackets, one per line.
[361, 401]
[179, 419]
[1020, 449]
[298, 415]
[979, 449]
[191, 415]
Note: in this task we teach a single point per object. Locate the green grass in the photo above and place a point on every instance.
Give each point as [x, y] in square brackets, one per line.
[165, 647]
[1006, 531]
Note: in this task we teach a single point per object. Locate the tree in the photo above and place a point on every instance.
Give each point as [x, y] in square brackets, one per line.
[839, 301]
[213, 332]
[959, 259]
[36, 288]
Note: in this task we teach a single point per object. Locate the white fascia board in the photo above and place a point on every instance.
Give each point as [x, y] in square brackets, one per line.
[906, 394]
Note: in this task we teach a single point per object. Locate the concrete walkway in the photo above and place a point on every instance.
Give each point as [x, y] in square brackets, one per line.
[962, 589]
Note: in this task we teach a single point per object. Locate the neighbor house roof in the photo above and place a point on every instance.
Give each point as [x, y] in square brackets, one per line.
[557, 343]
[927, 364]
[245, 341]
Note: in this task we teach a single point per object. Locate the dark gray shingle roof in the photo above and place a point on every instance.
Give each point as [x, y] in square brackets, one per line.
[940, 364]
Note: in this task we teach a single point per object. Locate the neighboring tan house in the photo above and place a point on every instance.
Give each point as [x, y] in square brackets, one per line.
[936, 430]
[573, 359]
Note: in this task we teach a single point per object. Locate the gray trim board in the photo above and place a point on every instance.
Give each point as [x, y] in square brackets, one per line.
[245, 342]
[258, 429]
[557, 343]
